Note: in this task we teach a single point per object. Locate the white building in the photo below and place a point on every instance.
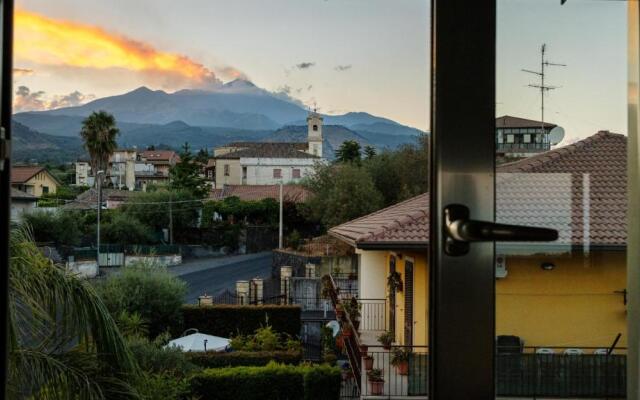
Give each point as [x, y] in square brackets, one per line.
[269, 163]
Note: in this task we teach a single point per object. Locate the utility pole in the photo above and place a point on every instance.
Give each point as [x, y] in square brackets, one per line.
[542, 87]
[280, 224]
[170, 216]
[99, 183]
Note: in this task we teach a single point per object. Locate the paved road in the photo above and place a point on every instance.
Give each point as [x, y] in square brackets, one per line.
[214, 275]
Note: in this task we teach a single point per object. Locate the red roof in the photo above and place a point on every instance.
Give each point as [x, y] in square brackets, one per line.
[21, 174]
[290, 193]
[507, 121]
[159, 155]
[579, 189]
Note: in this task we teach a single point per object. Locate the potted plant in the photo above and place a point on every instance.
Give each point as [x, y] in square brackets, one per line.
[386, 339]
[339, 342]
[347, 373]
[352, 308]
[400, 360]
[394, 281]
[376, 381]
[368, 362]
[330, 358]
[364, 349]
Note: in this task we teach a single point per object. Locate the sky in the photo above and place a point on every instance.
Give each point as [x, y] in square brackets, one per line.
[339, 55]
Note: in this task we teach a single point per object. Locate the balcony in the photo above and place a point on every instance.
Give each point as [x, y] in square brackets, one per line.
[523, 372]
[522, 147]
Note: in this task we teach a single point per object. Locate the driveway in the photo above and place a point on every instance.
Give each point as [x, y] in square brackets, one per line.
[212, 276]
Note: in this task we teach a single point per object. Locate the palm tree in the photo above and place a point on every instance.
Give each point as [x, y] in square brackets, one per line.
[99, 133]
[63, 343]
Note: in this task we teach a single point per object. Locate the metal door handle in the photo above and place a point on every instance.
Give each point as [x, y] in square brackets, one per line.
[460, 231]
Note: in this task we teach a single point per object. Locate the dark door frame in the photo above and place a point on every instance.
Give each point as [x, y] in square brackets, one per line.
[462, 288]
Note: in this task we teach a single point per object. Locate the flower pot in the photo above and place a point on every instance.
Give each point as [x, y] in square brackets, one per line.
[363, 350]
[377, 387]
[339, 342]
[368, 363]
[346, 332]
[403, 368]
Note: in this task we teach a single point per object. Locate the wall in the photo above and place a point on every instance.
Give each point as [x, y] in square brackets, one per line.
[18, 207]
[235, 173]
[35, 184]
[165, 260]
[84, 268]
[260, 170]
[574, 304]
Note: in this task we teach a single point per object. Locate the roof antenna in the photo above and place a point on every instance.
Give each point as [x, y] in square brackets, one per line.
[542, 87]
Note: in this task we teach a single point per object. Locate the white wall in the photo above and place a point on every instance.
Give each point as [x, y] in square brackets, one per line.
[260, 170]
[372, 277]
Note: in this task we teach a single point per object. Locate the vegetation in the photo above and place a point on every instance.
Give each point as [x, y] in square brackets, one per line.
[352, 187]
[151, 209]
[228, 320]
[126, 229]
[147, 290]
[54, 227]
[375, 375]
[185, 175]
[265, 339]
[233, 209]
[50, 310]
[273, 381]
[369, 152]
[386, 338]
[99, 133]
[247, 358]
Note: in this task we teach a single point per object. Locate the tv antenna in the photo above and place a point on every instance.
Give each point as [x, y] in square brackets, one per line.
[542, 86]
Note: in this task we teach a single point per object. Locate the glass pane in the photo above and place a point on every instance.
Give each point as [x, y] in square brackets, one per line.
[561, 306]
[185, 159]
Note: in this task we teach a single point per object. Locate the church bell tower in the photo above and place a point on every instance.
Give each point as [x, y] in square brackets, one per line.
[314, 136]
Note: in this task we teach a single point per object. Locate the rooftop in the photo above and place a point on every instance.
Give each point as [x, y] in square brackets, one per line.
[579, 189]
[20, 195]
[88, 200]
[158, 155]
[268, 150]
[21, 174]
[290, 193]
[507, 121]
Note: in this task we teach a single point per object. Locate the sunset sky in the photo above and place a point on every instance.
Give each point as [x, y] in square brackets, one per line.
[343, 55]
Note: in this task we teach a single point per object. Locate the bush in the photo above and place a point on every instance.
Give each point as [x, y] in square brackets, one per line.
[274, 381]
[244, 358]
[59, 227]
[148, 290]
[230, 320]
[161, 386]
[125, 229]
[153, 357]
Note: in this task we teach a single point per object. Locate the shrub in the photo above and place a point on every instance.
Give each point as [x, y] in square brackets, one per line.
[230, 320]
[153, 357]
[244, 358]
[148, 290]
[61, 228]
[161, 386]
[274, 381]
[126, 229]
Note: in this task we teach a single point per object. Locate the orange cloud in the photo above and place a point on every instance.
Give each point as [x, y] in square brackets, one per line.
[49, 41]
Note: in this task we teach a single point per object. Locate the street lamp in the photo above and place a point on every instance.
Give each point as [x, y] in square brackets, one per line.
[280, 222]
[99, 175]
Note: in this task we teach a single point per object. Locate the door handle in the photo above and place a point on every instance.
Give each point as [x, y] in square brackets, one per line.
[460, 231]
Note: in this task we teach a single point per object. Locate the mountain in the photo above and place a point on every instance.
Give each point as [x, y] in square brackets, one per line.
[61, 125]
[30, 145]
[238, 104]
[335, 135]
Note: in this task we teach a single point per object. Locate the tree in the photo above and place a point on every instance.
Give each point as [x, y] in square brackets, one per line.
[185, 175]
[152, 209]
[127, 230]
[349, 151]
[99, 133]
[63, 342]
[202, 156]
[60, 228]
[369, 152]
[147, 290]
[341, 193]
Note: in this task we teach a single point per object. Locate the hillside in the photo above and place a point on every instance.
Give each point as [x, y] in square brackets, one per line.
[32, 146]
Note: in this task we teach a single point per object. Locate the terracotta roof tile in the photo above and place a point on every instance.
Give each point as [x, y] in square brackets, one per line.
[508, 121]
[21, 174]
[268, 150]
[290, 193]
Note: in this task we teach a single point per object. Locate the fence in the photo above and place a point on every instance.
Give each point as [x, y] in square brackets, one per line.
[403, 376]
[373, 314]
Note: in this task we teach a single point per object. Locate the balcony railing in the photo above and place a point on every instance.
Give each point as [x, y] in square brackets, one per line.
[373, 314]
[404, 371]
[522, 147]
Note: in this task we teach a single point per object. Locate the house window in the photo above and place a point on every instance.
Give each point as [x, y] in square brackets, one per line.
[244, 172]
[296, 173]
[527, 138]
[226, 170]
[277, 173]
[45, 189]
[509, 138]
[315, 127]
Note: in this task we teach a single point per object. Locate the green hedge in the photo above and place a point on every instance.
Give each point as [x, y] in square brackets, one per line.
[226, 320]
[274, 381]
[244, 358]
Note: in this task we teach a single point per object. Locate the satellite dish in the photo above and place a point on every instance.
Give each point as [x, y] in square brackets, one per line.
[556, 135]
[335, 327]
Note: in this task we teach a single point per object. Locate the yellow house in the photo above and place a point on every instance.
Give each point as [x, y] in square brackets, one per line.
[566, 294]
[35, 181]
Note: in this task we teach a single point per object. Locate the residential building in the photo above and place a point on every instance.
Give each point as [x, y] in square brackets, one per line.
[21, 202]
[569, 293]
[520, 137]
[84, 177]
[268, 163]
[88, 200]
[33, 180]
[162, 160]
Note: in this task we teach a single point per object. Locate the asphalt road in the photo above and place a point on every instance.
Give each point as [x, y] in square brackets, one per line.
[212, 276]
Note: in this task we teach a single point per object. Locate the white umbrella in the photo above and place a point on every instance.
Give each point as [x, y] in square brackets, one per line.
[199, 342]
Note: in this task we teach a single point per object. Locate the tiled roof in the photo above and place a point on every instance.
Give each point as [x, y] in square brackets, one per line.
[19, 194]
[268, 150]
[508, 121]
[159, 155]
[290, 193]
[21, 174]
[88, 199]
[579, 189]
[403, 224]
